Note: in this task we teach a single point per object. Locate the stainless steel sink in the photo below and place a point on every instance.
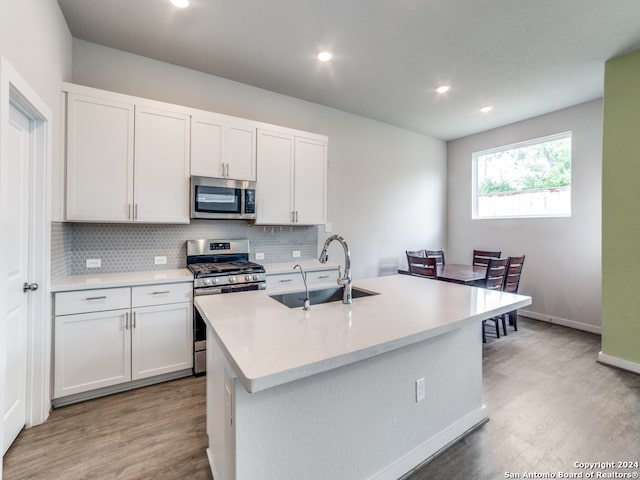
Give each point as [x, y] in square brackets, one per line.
[326, 295]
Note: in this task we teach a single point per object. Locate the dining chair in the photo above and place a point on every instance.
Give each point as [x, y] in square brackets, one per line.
[414, 253]
[481, 257]
[511, 285]
[494, 280]
[437, 254]
[422, 266]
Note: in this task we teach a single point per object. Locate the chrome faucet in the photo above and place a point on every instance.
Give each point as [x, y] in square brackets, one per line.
[344, 280]
[304, 279]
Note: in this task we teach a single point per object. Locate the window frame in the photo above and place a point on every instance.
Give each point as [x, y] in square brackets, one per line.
[526, 143]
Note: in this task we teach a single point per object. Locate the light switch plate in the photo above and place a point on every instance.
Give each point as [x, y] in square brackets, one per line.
[259, 255]
[328, 228]
[296, 253]
[160, 260]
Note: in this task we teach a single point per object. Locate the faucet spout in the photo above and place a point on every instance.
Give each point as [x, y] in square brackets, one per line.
[306, 306]
[343, 279]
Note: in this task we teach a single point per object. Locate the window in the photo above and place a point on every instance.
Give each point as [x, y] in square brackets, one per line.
[527, 179]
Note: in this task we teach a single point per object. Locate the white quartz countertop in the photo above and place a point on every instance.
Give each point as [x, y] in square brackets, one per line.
[307, 265]
[269, 344]
[123, 279]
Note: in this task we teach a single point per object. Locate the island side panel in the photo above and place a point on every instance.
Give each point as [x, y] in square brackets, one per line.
[221, 386]
[362, 421]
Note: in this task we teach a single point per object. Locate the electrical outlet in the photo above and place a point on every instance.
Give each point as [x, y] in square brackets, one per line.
[420, 389]
[160, 260]
[328, 228]
[259, 256]
[94, 263]
[296, 253]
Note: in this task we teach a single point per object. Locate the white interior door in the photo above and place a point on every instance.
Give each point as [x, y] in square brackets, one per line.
[16, 198]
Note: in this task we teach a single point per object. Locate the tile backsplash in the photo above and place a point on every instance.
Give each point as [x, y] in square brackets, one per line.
[132, 247]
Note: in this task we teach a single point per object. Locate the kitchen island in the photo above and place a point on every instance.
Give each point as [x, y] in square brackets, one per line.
[332, 393]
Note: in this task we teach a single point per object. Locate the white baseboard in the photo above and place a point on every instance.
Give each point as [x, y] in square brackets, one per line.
[427, 450]
[586, 327]
[212, 465]
[619, 362]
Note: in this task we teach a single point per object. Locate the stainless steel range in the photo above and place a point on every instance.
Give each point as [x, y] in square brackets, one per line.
[219, 266]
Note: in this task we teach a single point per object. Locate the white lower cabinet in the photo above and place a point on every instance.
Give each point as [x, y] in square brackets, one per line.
[92, 350]
[98, 343]
[161, 340]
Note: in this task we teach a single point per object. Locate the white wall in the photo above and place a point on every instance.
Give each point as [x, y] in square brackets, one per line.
[35, 41]
[562, 269]
[386, 185]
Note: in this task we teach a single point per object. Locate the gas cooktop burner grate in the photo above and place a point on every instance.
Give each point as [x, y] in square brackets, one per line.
[201, 269]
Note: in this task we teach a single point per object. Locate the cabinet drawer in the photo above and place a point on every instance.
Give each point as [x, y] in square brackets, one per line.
[85, 301]
[314, 278]
[161, 294]
[285, 280]
[321, 277]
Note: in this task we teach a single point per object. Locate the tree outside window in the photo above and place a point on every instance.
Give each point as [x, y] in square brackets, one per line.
[528, 179]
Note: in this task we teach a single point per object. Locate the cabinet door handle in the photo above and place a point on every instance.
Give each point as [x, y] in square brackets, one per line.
[96, 298]
[133, 321]
[227, 170]
[163, 292]
[293, 216]
[286, 280]
[296, 216]
[323, 276]
[126, 321]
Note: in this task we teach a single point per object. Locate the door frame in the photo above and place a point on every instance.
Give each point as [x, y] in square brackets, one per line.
[14, 90]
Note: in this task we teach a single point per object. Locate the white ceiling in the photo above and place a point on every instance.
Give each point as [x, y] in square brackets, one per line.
[524, 57]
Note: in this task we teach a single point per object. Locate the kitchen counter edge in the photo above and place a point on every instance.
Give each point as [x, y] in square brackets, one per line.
[120, 279]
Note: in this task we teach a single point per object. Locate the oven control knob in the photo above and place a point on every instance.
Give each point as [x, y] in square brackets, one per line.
[215, 281]
[232, 279]
[207, 281]
[255, 278]
[247, 278]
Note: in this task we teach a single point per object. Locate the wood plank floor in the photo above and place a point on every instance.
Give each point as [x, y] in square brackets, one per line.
[156, 432]
[551, 404]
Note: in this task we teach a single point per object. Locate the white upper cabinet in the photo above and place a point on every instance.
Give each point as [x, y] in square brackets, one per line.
[274, 195]
[223, 147]
[130, 159]
[292, 178]
[99, 159]
[310, 185]
[125, 162]
[161, 173]
[207, 146]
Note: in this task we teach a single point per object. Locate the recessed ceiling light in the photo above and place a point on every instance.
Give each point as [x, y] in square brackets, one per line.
[486, 109]
[180, 3]
[324, 56]
[443, 88]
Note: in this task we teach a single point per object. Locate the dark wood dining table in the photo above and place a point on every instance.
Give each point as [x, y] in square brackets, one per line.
[464, 274]
[458, 273]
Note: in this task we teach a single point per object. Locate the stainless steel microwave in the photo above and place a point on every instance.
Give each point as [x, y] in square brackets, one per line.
[222, 198]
